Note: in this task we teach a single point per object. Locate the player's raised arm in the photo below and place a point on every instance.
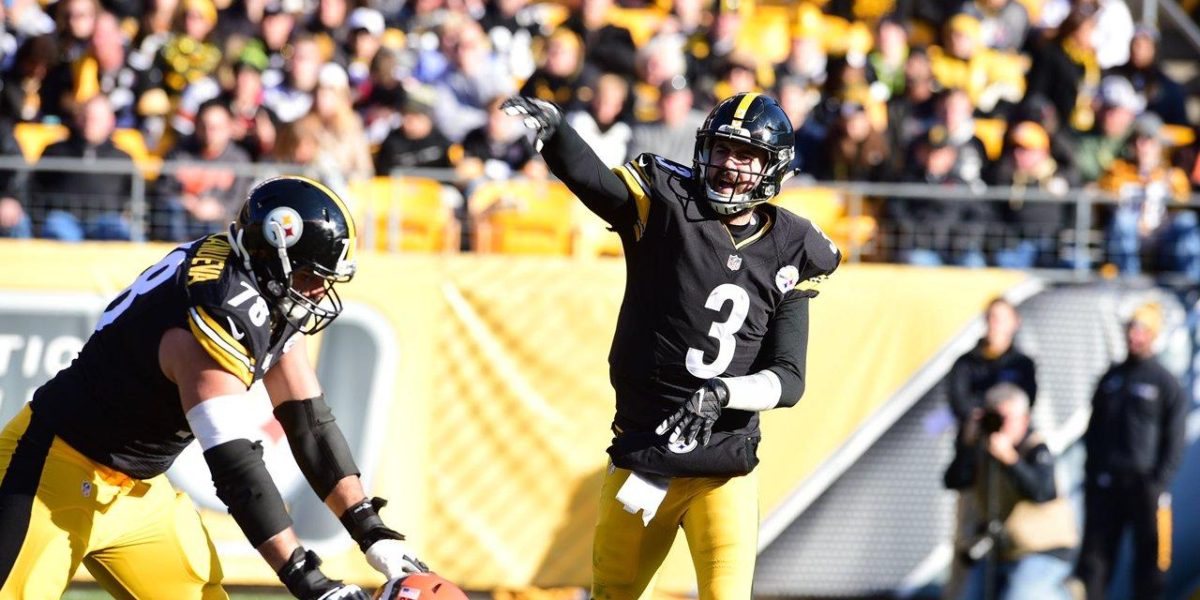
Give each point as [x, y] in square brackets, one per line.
[571, 159]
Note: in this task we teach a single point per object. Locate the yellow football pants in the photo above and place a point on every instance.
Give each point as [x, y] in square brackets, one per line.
[719, 517]
[138, 538]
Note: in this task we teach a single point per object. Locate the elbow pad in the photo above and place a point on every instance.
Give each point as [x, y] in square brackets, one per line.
[317, 443]
[245, 486]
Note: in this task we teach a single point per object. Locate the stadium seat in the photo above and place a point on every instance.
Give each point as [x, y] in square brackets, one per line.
[592, 235]
[131, 141]
[822, 206]
[766, 34]
[403, 214]
[991, 133]
[642, 23]
[523, 217]
[33, 138]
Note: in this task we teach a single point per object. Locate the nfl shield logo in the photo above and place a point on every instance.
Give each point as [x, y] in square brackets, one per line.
[734, 263]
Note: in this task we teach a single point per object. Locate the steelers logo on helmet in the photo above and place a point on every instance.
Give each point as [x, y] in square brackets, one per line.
[297, 238]
[283, 227]
[748, 127]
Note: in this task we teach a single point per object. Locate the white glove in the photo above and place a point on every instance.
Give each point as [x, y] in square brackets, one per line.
[394, 559]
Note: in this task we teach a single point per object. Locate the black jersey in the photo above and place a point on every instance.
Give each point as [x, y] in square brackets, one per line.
[697, 304]
[113, 403]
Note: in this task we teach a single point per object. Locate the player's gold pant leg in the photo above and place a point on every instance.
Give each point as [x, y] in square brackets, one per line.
[721, 525]
[38, 553]
[625, 553]
[139, 538]
[152, 544]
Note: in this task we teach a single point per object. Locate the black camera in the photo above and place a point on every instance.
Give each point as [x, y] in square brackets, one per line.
[991, 422]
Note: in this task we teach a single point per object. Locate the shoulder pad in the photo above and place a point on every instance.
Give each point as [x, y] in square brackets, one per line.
[226, 313]
[823, 255]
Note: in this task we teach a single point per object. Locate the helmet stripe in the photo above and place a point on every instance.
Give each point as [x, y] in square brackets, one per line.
[740, 112]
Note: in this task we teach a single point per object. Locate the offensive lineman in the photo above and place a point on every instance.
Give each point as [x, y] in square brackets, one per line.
[82, 466]
[712, 330]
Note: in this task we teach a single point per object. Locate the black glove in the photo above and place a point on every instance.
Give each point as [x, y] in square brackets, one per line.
[305, 581]
[694, 420]
[363, 524]
[538, 115]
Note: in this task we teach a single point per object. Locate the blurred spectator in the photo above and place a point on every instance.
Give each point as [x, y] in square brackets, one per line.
[246, 102]
[806, 58]
[797, 98]
[24, 19]
[417, 142]
[1160, 93]
[201, 199]
[1063, 144]
[721, 42]
[473, 79]
[240, 19]
[1030, 228]
[739, 73]
[1066, 69]
[21, 94]
[993, 80]
[854, 150]
[1119, 106]
[888, 59]
[85, 205]
[1003, 24]
[328, 26]
[76, 21]
[277, 26]
[1135, 441]
[190, 55]
[913, 113]
[384, 95]
[294, 97]
[366, 30]
[14, 222]
[342, 136]
[102, 70]
[659, 61]
[1026, 532]
[1114, 30]
[498, 150]
[601, 125]
[511, 25]
[673, 135]
[1142, 224]
[609, 48]
[562, 77]
[154, 30]
[954, 110]
[930, 231]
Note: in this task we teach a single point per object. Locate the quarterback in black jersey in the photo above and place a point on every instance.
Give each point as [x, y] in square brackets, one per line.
[712, 330]
[171, 359]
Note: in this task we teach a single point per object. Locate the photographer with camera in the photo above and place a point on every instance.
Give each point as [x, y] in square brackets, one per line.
[1022, 545]
[994, 359]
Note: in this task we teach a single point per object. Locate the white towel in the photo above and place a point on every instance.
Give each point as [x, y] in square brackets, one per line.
[643, 493]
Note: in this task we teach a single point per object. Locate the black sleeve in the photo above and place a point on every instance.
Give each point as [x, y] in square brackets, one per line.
[1033, 474]
[1028, 381]
[960, 475]
[785, 348]
[958, 388]
[1174, 432]
[576, 164]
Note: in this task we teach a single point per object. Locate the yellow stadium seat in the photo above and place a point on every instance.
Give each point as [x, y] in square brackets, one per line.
[642, 23]
[767, 34]
[822, 206]
[523, 217]
[33, 138]
[403, 214]
[1178, 135]
[991, 133]
[592, 235]
[131, 141]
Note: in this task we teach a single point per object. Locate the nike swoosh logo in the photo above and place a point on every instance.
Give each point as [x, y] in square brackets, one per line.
[237, 334]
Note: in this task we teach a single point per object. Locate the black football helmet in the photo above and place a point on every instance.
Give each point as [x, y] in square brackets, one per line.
[293, 226]
[756, 120]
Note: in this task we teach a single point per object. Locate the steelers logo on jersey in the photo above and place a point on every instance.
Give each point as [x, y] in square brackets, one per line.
[283, 227]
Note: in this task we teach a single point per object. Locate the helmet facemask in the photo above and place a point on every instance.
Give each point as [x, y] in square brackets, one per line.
[756, 186]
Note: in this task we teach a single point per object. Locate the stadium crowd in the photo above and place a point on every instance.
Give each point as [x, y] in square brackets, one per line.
[1012, 93]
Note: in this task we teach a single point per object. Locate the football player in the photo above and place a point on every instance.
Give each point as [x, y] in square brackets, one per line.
[712, 330]
[170, 361]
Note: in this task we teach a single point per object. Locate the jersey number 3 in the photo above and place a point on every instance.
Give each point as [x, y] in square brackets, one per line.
[723, 331]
